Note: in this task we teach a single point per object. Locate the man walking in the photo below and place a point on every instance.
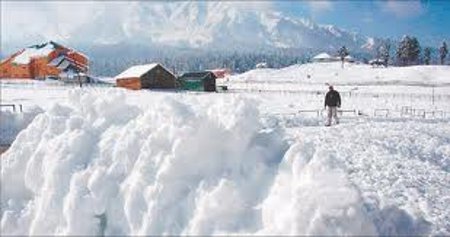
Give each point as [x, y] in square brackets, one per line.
[333, 101]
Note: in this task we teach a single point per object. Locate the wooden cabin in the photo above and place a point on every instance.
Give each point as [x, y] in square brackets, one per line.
[43, 61]
[149, 76]
[198, 81]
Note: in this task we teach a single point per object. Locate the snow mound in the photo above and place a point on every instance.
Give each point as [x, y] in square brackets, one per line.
[355, 74]
[12, 123]
[312, 196]
[104, 163]
[101, 166]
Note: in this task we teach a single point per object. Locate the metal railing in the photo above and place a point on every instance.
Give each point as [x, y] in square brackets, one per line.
[13, 106]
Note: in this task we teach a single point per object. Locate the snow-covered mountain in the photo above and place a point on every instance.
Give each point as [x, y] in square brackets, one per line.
[219, 25]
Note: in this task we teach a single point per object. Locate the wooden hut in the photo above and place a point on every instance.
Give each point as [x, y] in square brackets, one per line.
[150, 76]
[198, 81]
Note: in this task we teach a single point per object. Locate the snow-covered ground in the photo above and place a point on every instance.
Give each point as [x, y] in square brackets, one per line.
[101, 160]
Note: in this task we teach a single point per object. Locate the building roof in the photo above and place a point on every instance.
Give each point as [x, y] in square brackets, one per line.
[39, 50]
[197, 75]
[34, 51]
[55, 62]
[64, 65]
[322, 56]
[220, 72]
[137, 71]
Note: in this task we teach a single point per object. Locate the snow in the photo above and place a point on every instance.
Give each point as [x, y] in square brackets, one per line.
[369, 44]
[110, 161]
[351, 75]
[13, 122]
[136, 71]
[214, 25]
[31, 52]
[322, 56]
[146, 167]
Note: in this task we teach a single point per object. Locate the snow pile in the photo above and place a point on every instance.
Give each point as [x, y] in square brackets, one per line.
[12, 123]
[399, 167]
[101, 166]
[312, 196]
[110, 161]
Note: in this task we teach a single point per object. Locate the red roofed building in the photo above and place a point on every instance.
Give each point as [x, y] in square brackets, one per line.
[41, 61]
[221, 72]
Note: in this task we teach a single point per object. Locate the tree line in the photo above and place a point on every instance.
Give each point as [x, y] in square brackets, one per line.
[408, 52]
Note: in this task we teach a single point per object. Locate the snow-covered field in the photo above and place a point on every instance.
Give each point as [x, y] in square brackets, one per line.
[101, 160]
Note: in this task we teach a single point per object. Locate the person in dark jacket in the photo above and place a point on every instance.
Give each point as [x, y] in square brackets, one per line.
[333, 101]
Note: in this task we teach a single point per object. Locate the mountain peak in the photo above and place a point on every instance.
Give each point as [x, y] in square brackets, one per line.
[218, 25]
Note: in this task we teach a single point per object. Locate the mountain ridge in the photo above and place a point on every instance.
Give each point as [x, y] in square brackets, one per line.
[213, 25]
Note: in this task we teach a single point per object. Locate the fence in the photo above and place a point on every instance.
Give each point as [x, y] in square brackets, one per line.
[404, 112]
[410, 112]
[13, 106]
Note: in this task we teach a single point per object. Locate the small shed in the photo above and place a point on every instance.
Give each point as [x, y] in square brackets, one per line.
[148, 76]
[198, 81]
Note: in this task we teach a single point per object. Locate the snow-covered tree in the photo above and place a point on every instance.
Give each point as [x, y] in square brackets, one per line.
[402, 50]
[408, 50]
[443, 52]
[384, 52]
[414, 53]
[427, 55]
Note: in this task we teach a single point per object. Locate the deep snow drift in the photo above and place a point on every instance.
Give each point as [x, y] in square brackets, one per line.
[99, 165]
[110, 161]
[12, 123]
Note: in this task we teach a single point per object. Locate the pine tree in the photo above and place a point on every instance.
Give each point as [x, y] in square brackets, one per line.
[414, 50]
[427, 55]
[443, 52]
[408, 50]
[384, 52]
[402, 56]
[343, 52]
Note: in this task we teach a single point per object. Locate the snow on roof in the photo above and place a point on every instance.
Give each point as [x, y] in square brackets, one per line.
[136, 71]
[348, 57]
[322, 56]
[34, 51]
